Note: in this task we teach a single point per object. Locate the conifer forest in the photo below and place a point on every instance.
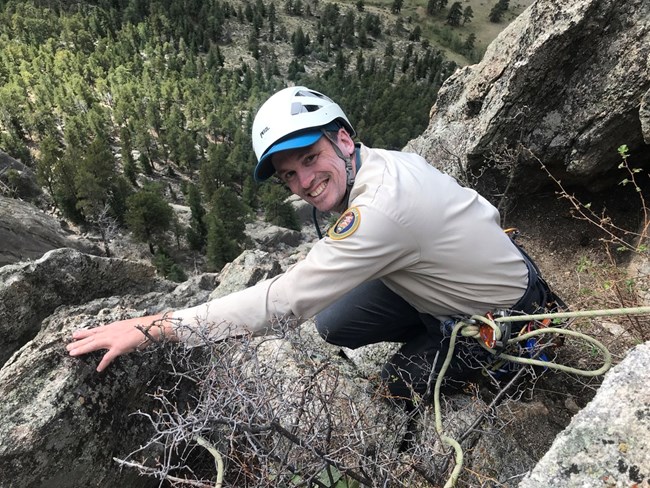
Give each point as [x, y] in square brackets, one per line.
[108, 101]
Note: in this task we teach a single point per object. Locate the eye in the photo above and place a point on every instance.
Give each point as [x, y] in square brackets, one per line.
[310, 159]
[288, 176]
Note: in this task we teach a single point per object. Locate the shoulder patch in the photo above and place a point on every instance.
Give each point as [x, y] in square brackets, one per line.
[346, 225]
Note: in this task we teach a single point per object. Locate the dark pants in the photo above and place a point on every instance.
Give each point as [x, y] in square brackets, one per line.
[373, 313]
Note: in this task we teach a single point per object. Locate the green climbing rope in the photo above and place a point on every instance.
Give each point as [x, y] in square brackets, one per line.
[472, 330]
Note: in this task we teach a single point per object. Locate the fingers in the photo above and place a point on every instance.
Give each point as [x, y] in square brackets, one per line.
[84, 346]
[116, 338]
[82, 333]
[89, 340]
[93, 343]
[106, 360]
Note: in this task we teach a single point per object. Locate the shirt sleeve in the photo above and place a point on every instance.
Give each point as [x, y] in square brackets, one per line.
[379, 245]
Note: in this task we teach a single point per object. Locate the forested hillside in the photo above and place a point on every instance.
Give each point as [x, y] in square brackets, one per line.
[110, 101]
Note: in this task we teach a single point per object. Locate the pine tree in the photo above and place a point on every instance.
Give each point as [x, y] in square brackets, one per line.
[299, 43]
[500, 8]
[390, 48]
[148, 215]
[94, 177]
[128, 163]
[249, 193]
[47, 162]
[468, 14]
[468, 46]
[415, 35]
[272, 15]
[254, 45]
[220, 248]
[277, 210]
[65, 193]
[229, 209]
[455, 14]
[167, 267]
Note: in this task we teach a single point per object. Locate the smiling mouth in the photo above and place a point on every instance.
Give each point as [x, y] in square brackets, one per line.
[318, 190]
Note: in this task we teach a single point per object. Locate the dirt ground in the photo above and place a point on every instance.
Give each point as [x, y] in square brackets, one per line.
[579, 263]
[576, 263]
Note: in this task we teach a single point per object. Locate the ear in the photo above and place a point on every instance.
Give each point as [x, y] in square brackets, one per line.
[345, 141]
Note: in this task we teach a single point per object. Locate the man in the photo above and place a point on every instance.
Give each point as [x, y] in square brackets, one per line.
[411, 248]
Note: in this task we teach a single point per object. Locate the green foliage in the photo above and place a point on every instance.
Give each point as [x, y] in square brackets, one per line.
[468, 46]
[249, 193]
[148, 215]
[468, 15]
[221, 248]
[13, 145]
[455, 14]
[331, 477]
[47, 162]
[300, 43]
[436, 6]
[128, 163]
[65, 192]
[16, 184]
[228, 208]
[415, 35]
[94, 178]
[277, 210]
[431, 7]
[499, 9]
[121, 189]
[167, 267]
[110, 95]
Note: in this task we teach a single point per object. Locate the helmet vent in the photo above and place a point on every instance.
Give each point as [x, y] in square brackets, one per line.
[299, 108]
[296, 108]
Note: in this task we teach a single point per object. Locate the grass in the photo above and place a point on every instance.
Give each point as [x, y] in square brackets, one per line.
[435, 29]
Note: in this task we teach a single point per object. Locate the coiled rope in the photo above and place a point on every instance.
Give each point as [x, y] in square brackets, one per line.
[470, 329]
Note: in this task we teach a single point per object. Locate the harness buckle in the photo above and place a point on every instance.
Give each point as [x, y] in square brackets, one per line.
[489, 335]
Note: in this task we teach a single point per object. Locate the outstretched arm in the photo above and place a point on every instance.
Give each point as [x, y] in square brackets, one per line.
[121, 337]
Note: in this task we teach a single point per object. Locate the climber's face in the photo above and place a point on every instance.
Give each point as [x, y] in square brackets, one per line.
[316, 173]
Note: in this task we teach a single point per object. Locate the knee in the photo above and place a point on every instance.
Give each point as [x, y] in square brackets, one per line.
[333, 330]
[329, 330]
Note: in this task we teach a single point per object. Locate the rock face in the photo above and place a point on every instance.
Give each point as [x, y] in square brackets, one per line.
[19, 178]
[28, 233]
[61, 423]
[30, 292]
[272, 236]
[608, 442]
[567, 81]
[249, 268]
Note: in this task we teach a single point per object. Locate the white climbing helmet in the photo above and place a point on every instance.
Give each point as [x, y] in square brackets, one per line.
[284, 122]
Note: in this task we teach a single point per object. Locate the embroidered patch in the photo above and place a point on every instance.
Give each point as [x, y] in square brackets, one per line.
[346, 225]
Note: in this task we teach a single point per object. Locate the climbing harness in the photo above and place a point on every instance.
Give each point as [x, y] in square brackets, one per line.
[492, 332]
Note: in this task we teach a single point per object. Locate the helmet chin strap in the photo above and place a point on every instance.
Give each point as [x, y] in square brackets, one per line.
[350, 175]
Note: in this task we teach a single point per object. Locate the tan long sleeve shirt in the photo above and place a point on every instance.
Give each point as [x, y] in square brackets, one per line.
[433, 242]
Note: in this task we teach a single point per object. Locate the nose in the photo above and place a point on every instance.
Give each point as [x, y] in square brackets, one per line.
[305, 177]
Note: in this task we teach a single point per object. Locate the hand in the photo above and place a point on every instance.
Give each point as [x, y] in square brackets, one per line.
[121, 337]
